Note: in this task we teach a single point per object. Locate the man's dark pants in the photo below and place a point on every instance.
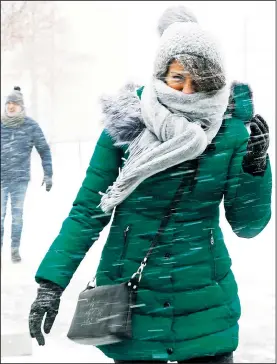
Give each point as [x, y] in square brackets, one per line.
[16, 190]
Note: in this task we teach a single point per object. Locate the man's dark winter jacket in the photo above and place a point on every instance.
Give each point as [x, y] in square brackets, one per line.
[16, 147]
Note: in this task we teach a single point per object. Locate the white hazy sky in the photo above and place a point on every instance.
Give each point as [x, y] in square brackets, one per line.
[128, 29]
[122, 36]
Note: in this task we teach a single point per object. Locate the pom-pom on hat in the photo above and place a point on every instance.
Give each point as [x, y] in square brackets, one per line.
[175, 14]
[16, 97]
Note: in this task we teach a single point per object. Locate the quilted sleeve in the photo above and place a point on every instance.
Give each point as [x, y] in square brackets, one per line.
[247, 198]
[85, 221]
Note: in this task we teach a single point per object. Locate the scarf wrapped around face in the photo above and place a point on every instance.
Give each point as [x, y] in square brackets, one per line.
[177, 128]
[14, 120]
[17, 118]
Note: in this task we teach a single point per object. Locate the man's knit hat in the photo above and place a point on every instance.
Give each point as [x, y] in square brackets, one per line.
[184, 40]
[16, 97]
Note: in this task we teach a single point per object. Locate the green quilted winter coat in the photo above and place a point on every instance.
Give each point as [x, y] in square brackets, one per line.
[187, 304]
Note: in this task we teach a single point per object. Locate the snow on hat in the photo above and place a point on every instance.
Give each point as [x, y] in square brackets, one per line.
[16, 97]
[183, 39]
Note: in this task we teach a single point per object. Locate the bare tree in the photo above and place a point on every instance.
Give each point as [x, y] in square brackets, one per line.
[21, 19]
[12, 16]
[32, 31]
[28, 28]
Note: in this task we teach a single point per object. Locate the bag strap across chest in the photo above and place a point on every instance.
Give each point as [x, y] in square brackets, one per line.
[186, 181]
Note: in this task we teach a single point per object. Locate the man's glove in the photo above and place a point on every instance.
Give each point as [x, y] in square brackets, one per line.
[254, 162]
[48, 183]
[46, 304]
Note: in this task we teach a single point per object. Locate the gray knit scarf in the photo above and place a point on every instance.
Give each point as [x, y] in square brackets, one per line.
[14, 120]
[177, 128]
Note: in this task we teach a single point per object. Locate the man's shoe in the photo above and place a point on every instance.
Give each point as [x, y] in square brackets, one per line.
[16, 258]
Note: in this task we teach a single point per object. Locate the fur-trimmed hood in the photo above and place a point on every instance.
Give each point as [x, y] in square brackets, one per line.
[122, 112]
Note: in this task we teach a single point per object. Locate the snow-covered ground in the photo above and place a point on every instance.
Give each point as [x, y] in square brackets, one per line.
[253, 264]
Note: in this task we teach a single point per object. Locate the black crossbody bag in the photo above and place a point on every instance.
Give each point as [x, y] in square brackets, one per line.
[104, 314]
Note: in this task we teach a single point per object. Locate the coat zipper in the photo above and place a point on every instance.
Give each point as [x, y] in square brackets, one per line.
[212, 253]
[125, 237]
[12, 139]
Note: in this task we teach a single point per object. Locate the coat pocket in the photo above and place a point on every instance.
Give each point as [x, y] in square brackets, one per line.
[125, 241]
[212, 250]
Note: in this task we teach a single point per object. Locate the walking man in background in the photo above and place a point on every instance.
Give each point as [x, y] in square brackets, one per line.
[19, 134]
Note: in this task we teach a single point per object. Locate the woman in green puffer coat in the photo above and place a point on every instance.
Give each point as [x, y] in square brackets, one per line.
[183, 125]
